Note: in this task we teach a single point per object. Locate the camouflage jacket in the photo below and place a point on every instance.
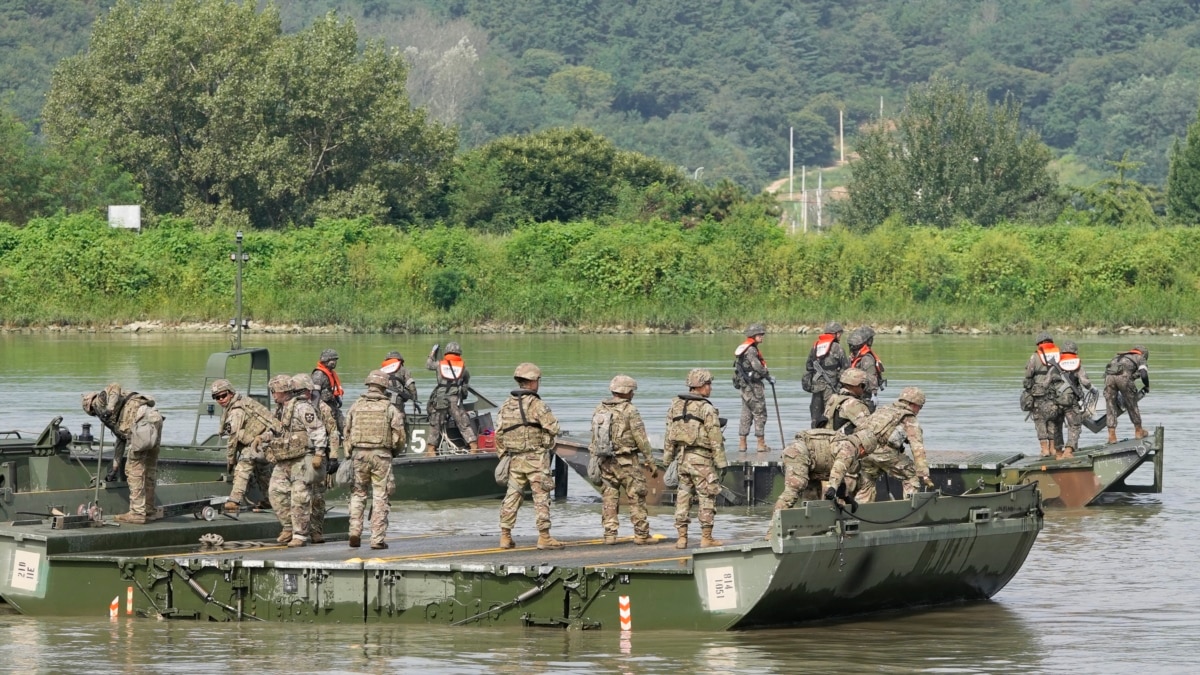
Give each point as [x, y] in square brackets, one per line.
[525, 423]
[628, 430]
[693, 423]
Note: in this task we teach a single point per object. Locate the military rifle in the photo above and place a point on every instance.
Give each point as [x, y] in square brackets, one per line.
[825, 375]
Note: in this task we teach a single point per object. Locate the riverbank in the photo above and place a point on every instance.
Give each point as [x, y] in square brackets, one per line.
[484, 329]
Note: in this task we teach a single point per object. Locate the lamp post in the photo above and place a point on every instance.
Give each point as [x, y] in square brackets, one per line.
[238, 323]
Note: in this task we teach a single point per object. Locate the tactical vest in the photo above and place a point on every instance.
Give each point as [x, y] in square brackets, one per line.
[686, 427]
[833, 413]
[372, 425]
[257, 418]
[294, 440]
[884, 421]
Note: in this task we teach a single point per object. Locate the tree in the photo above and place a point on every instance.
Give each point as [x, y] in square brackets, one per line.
[211, 106]
[1183, 177]
[952, 156]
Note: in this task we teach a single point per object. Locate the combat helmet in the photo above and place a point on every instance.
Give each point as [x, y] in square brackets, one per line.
[1042, 337]
[525, 371]
[755, 329]
[328, 355]
[222, 385]
[833, 327]
[1141, 348]
[913, 395]
[1069, 347]
[394, 355]
[104, 401]
[453, 348]
[853, 377]
[861, 336]
[279, 384]
[303, 382]
[698, 377]
[377, 378]
[622, 384]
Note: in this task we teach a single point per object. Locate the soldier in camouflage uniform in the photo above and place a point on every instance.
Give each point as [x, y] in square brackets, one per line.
[749, 373]
[526, 431]
[137, 426]
[1120, 377]
[846, 409]
[1069, 384]
[863, 357]
[303, 386]
[848, 452]
[446, 399]
[806, 461]
[294, 453]
[374, 434]
[401, 384]
[893, 425]
[623, 469]
[694, 438]
[1038, 398]
[325, 378]
[826, 360]
[243, 421]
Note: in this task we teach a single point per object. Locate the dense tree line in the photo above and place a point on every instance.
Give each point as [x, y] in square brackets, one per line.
[717, 84]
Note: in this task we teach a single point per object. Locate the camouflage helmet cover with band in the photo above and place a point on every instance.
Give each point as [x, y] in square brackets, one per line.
[280, 383]
[303, 382]
[853, 377]
[377, 378]
[328, 355]
[219, 386]
[913, 395]
[527, 371]
[698, 377]
[622, 384]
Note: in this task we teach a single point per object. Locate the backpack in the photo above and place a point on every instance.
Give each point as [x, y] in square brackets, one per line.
[602, 419]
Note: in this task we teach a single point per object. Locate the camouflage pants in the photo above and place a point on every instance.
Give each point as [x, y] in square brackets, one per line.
[1070, 416]
[846, 465]
[250, 471]
[291, 494]
[754, 408]
[528, 469]
[698, 477]
[886, 460]
[816, 408]
[438, 419]
[373, 469]
[141, 472]
[1044, 412]
[804, 463]
[316, 518]
[623, 472]
[1121, 384]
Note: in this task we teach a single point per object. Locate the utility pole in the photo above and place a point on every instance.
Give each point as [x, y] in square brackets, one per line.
[804, 196]
[841, 137]
[238, 323]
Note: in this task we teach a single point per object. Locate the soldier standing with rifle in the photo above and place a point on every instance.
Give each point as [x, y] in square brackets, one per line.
[446, 399]
[826, 361]
[325, 378]
[401, 386]
[749, 373]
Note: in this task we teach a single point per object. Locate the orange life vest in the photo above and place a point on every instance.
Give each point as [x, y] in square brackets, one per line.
[1048, 353]
[858, 357]
[1068, 362]
[390, 366]
[741, 349]
[334, 381]
[451, 368]
[823, 344]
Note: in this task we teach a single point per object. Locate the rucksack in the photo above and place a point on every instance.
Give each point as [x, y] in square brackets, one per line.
[602, 419]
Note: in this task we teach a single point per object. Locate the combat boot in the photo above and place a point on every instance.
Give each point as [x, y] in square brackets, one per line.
[355, 540]
[284, 537]
[380, 546]
[681, 542]
[1045, 448]
[1139, 432]
[610, 538]
[706, 539]
[317, 538]
[762, 444]
[232, 507]
[644, 539]
[1067, 453]
[297, 542]
[741, 443]
[545, 541]
[130, 518]
[506, 539]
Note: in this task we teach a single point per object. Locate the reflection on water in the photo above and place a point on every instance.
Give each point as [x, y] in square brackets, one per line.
[1107, 589]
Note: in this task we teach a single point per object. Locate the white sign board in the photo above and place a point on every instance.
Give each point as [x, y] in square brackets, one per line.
[26, 570]
[722, 589]
[128, 217]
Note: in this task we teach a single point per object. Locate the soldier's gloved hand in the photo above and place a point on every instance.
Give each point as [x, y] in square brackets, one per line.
[926, 481]
[852, 503]
[333, 465]
[650, 466]
[771, 379]
[112, 476]
[435, 349]
[316, 461]
[830, 493]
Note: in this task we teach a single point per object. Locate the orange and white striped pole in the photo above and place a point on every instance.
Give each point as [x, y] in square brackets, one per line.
[129, 599]
[625, 612]
[114, 607]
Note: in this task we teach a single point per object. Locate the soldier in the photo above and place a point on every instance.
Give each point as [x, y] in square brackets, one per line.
[243, 422]
[294, 453]
[1070, 385]
[694, 437]
[826, 360]
[893, 425]
[617, 427]
[749, 372]
[401, 384]
[137, 426]
[445, 401]
[1120, 391]
[862, 357]
[1038, 399]
[808, 459]
[845, 409]
[303, 387]
[375, 431]
[325, 378]
[848, 452]
[526, 431]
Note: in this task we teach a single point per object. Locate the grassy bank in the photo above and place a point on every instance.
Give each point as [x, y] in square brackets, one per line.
[76, 270]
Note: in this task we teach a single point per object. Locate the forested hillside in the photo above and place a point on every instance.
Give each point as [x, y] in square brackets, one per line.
[717, 84]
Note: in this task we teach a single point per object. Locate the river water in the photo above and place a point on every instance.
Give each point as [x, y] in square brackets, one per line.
[1106, 589]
